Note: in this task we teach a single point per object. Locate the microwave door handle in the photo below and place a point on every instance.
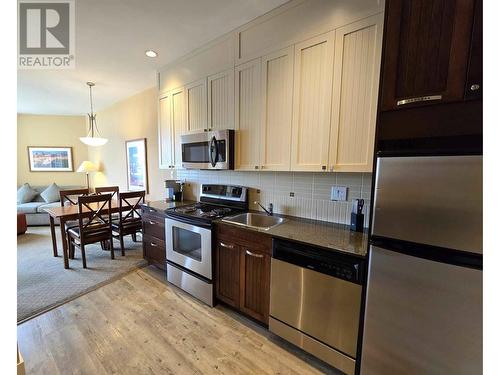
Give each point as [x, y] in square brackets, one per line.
[213, 151]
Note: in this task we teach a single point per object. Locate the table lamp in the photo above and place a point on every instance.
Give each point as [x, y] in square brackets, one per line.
[87, 166]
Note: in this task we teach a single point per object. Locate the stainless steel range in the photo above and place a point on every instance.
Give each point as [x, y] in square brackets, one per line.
[189, 237]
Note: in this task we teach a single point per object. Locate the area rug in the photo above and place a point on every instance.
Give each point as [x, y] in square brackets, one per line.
[42, 281]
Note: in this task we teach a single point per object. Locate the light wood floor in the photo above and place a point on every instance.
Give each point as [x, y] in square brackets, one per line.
[140, 325]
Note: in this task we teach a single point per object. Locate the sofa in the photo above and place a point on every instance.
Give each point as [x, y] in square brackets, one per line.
[34, 210]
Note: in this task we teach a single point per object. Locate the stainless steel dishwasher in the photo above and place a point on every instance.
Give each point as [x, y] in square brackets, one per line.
[315, 301]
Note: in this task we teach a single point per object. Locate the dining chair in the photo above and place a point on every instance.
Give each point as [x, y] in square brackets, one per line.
[69, 197]
[96, 228]
[114, 190]
[130, 218]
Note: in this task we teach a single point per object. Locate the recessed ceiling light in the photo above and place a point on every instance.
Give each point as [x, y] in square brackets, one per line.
[151, 53]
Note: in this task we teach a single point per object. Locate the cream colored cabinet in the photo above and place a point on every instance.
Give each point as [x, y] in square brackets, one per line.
[358, 49]
[196, 106]
[165, 131]
[313, 71]
[248, 101]
[276, 125]
[221, 100]
[178, 125]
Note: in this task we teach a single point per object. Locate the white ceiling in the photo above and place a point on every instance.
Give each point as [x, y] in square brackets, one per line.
[111, 37]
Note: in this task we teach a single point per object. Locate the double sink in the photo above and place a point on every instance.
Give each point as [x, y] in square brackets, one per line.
[254, 220]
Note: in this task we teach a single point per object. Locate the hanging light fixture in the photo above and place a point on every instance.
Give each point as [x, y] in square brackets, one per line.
[93, 137]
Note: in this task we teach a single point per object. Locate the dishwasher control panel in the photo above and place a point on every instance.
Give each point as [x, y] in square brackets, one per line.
[329, 262]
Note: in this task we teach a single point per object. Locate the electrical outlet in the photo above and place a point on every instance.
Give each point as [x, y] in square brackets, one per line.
[338, 193]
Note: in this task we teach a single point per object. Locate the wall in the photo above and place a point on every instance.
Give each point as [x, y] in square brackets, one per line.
[45, 130]
[131, 118]
[311, 191]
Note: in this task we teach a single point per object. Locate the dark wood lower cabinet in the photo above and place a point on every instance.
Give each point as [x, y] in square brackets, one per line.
[243, 268]
[153, 238]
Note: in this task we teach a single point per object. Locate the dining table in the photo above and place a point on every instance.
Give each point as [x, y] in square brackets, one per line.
[70, 213]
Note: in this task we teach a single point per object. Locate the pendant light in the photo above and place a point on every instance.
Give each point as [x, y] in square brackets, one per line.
[93, 137]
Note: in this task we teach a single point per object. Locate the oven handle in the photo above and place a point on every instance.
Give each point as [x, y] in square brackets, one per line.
[189, 221]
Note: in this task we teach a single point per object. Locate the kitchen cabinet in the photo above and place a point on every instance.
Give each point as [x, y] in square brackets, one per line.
[178, 125]
[221, 100]
[165, 131]
[243, 268]
[313, 70]
[196, 106]
[474, 83]
[426, 52]
[355, 93]
[153, 237]
[248, 98]
[276, 125]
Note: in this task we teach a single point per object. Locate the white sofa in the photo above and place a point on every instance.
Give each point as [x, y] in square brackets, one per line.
[34, 210]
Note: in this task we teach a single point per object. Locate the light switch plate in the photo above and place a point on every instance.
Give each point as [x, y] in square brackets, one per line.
[338, 193]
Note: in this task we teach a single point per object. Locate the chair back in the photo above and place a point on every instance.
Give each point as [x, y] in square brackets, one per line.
[99, 222]
[72, 195]
[130, 210]
[114, 190]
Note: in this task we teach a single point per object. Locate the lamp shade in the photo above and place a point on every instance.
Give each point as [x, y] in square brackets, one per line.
[87, 166]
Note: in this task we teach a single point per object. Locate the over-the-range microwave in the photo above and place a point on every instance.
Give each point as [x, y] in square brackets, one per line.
[208, 150]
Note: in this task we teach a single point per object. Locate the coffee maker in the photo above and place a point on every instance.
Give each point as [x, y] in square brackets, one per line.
[172, 187]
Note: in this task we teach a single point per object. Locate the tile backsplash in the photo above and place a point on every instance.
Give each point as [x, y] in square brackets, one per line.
[300, 194]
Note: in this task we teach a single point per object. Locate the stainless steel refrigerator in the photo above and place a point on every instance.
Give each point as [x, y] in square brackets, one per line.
[423, 310]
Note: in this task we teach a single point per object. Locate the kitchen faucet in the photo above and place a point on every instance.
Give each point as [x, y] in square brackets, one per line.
[268, 210]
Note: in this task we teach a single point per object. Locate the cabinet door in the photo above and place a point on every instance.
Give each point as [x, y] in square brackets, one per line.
[228, 273]
[248, 115]
[221, 101]
[196, 106]
[178, 125]
[426, 51]
[277, 84]
[474, 83]
[312, 103]
[254, 283]
[165, 131]
[354, 100]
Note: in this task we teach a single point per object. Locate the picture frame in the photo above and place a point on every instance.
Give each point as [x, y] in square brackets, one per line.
[50, 159]
[137, 164]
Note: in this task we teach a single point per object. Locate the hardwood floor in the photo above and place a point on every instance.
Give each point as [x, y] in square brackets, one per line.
[140, 325]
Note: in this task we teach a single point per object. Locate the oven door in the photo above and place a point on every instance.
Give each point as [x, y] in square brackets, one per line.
[189, 246]
[208, 150]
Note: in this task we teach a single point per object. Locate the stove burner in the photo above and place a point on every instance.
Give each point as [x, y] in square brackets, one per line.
[206, 211]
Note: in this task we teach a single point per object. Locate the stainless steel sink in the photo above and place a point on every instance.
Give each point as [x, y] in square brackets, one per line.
[253, 220]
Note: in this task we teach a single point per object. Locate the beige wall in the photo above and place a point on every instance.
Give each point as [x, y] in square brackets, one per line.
[131, 118]
[42, 130]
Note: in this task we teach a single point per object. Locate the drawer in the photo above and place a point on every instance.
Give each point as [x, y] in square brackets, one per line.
[154, 226]
[245, 237]
[151, 212]
[154, 249]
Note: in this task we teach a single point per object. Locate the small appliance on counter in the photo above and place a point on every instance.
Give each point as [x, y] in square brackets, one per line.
[173, 188]
[357, 217]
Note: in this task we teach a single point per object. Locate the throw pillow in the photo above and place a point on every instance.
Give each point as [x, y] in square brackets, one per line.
[25, 194]
[51, 194]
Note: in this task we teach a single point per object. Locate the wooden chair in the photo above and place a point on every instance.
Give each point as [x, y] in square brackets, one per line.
[70, 197]
[96, 228]
[130, 220]
[114, 190]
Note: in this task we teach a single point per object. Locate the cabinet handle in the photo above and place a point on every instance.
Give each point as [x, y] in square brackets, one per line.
[323, 167]
[226, 245]
[475, 87]
[152, 222]
[153, 244]
[256, 167]
[419, 99]
[254, 255]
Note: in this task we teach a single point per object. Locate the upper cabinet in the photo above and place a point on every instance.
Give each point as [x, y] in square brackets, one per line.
[355, 92]
[178, 125]
[311, 103]
[221, 100]
[276, 125]
[196, 106]
[248, 101]
[165, 131]
[426, 52]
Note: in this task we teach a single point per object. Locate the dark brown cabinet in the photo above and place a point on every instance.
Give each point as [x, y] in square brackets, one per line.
[243, 267]
[153, 238]
[427, 52]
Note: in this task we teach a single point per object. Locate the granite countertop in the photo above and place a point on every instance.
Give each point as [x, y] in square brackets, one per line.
[337, 237]
[163, 205]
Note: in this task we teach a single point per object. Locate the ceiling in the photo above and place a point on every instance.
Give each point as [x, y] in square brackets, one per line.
[111, 38]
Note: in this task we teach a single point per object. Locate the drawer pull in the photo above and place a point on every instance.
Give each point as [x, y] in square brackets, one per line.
[254, 255]
[152, 222]
[226, 245]
[153, 244]
[419, 99]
